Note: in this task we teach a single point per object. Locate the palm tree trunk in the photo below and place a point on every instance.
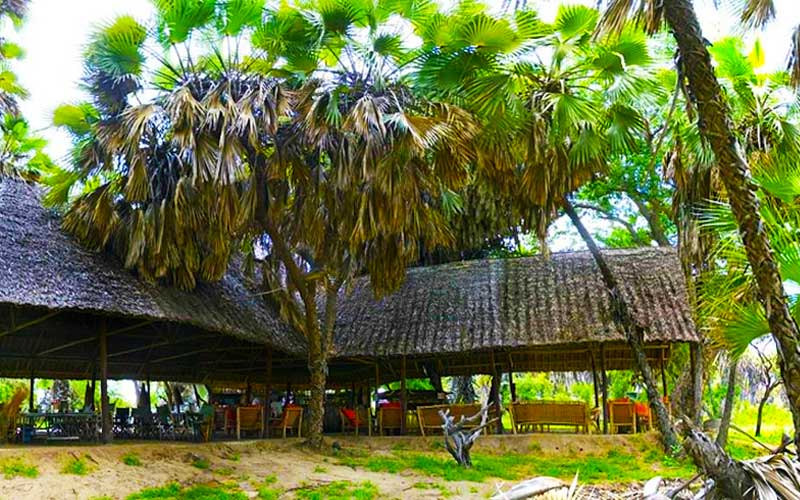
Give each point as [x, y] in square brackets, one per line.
[727, 411]
[716, 127]
[318, 369]
[633, 332]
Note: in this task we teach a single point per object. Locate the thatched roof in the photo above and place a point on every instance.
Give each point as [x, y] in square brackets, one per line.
[516, 303]
[40, 266]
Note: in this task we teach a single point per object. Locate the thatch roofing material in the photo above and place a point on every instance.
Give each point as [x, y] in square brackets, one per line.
[41, 266]
[516, 303]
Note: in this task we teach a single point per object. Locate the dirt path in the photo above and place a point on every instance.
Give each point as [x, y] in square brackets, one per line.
[246, 462]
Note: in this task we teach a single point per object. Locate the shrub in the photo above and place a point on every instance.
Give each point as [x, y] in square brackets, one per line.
[131, 459]
[17, 467]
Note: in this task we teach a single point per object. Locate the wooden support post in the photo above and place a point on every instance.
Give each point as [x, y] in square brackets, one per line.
[594, 380]
[403, 396]
[268, 394]
[105, 408]
[696, 360]
[663, 375]
[604, 382]
[147, 385]
[512, 386]
[94, 386]
[494, 395]
[31, 393]
[377, 384]
[248, 394]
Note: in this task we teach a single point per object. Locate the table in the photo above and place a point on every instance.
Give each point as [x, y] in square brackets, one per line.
[83, 426]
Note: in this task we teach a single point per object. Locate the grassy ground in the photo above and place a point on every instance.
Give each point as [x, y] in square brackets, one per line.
[775, 422]
[359, 468]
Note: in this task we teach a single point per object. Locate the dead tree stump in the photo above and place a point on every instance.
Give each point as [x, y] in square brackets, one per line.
[458, 439]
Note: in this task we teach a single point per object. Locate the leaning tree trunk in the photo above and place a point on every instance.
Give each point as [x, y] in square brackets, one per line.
[716, 127]
[633, 332]
[727, 411]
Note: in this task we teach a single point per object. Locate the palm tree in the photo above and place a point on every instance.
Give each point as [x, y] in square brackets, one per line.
[554, 104]
[306, 152]
[717, 128]
[361, 170]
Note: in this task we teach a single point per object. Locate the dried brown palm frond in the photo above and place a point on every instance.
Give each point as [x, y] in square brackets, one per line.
[648, 14]
[794, 58]
[774, 476]
[757, 13]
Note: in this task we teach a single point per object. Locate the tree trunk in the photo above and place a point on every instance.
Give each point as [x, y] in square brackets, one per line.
[761, 404]
[633, 333]
[653, 223]
[727, 411]
[730, 478]
[318, 369]
[462, 389]
[716, 127]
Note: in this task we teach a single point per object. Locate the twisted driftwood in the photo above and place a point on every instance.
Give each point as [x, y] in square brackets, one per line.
[459, 440]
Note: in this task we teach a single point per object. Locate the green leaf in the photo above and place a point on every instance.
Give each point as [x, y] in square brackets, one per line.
[756, 58]
[11, 50]
[240, 14]
[573, 21]
[116, 48]
[77, 118]
[178, 18]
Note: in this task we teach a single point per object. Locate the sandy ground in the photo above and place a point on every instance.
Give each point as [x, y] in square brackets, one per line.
[249, 462]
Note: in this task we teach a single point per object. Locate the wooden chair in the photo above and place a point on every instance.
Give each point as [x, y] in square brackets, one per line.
[203, 425]
[621, 414]
[353, 420]
[291, 420]
[389, 419]
[249, 418]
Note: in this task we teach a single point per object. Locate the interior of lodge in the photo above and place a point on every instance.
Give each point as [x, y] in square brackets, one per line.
[68, 313]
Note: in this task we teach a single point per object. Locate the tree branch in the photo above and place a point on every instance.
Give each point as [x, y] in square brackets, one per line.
[607, 215]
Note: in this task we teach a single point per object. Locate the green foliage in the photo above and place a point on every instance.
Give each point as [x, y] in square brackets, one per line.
[340, 490]
[18, 467]
[267, 490]
[611, 467]
[201, 463]
[131, 459]
[78, 466]
[173, 491]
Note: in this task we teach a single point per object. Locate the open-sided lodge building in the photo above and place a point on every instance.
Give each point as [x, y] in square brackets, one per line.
[66, 312]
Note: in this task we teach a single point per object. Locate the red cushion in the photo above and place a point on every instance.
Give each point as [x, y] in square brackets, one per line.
[350, 415]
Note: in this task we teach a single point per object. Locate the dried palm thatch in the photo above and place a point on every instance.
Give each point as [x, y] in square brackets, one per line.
[774, 476]
[41, 266]
[516, 303]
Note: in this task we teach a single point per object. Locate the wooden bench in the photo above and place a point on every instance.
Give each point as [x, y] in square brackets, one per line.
[538, 415]
[430, 420]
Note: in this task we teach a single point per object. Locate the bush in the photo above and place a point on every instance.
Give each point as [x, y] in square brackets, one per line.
[17, 467]
[78, 466]
[131, 459]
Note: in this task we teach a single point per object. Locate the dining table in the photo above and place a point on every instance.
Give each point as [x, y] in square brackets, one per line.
[84, 426]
